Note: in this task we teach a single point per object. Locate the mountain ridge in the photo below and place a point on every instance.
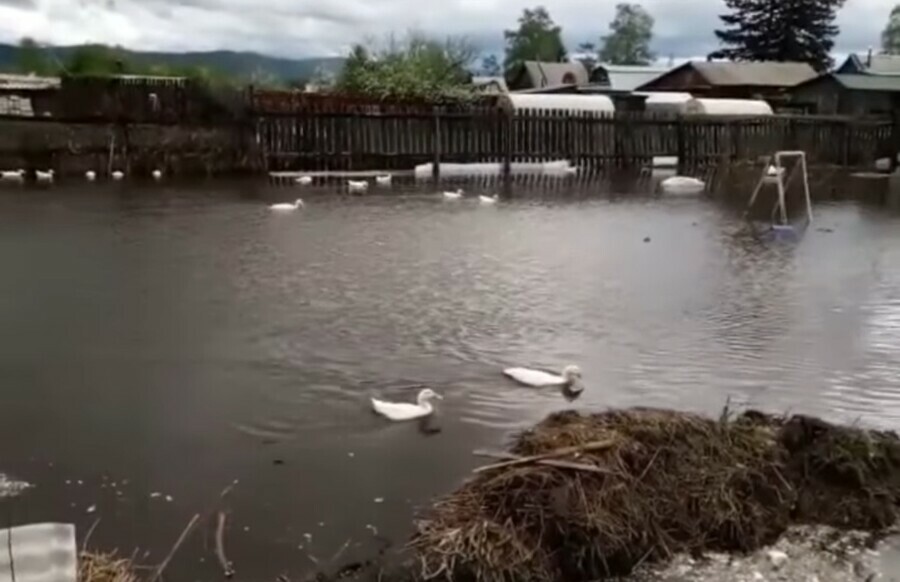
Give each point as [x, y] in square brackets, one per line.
[240, 64]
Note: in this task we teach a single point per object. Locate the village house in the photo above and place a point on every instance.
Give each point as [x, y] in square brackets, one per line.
[535, 75]
[733, 80]
[28, 95]
[849, 94]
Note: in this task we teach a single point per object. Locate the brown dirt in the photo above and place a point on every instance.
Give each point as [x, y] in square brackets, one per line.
[674, 483]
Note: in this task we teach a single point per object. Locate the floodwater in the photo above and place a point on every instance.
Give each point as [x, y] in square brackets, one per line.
[173, 340]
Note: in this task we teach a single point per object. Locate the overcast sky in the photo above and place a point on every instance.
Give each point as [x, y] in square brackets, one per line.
[306, 28]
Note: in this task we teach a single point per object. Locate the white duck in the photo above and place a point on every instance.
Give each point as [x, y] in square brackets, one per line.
[288, 205]
[43, 177]
[117, 175]
[90, 175]
[399, 411]
[361, 186]
[682, 185]
[13, 176]
[157, 174]
[453, 195]
[304, 180]
[383, 180]
[488, 199]
[570, 377]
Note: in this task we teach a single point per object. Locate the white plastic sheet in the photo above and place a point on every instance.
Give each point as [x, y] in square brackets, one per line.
[42, 552]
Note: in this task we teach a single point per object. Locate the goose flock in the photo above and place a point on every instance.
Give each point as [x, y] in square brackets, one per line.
[48, 176]
[569, 380]
[362, 186]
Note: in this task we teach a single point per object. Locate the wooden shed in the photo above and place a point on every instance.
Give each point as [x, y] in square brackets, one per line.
[851, 94]
[28, 95]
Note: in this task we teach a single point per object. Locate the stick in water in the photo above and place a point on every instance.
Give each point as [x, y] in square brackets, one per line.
[177, 545]
[227, 567]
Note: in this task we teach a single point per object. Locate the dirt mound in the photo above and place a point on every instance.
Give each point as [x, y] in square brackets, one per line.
[594, 496]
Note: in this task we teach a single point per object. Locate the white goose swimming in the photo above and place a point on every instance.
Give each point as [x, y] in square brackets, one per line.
[361, 186]
[157, 175]
[288, 205]
[117, 175]
[399, 411]
[570, 377]
[453, 195]
[488, 199]
[14, 176]
[304, 180]
[682, 185]
[90, 175]
[384, 180]
[43, 177]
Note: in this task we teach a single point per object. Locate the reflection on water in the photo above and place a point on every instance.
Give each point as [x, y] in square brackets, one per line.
[179, 340]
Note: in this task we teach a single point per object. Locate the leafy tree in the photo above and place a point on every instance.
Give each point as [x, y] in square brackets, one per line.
[417, 68]
[629, 40]
[890, 38]
[538, 38]
[490, 66]
[778, 30]
[33, 59]
[98, 59]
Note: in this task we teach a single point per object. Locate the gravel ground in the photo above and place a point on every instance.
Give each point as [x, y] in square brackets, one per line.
[804, 554]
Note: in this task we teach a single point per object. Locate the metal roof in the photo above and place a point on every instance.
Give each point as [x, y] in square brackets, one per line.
[866, 82]
[28, 83]
[549, 74]
[878, 65]
[763, 74]
[627, 77]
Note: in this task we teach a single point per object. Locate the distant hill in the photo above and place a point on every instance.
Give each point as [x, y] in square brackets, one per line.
[243, 65]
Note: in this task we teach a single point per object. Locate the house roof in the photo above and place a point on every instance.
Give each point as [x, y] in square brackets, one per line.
[764, 74]
[627, 77]
[743, 74]
[549, 74]
[28, 83]
[858, 82]
[879, 64]
[485, 83]
[882, 83]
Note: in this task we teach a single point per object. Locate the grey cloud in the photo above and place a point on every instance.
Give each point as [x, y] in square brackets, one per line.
[684, 28]
[26, 4]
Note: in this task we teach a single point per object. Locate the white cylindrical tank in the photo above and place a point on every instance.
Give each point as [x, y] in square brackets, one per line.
[748, 107]
[573, 103]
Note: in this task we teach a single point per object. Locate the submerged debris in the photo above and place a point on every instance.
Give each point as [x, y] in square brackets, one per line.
[669, 483]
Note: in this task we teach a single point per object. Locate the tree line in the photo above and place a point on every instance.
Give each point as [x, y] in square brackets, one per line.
[102, 60]
[422, 67]
[751, 30]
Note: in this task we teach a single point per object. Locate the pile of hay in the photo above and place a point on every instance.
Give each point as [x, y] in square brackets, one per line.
[651, 484]
[96, 567]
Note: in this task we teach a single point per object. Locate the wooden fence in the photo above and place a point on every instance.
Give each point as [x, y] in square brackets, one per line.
[371, 138]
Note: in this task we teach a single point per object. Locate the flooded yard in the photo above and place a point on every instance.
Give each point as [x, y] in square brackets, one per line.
[159, 344]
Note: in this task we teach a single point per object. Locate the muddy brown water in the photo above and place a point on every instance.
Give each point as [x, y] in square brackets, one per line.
[173, 340]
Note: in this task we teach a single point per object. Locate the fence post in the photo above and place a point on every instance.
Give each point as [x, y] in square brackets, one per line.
[682, 145]
[895, 137]
[506, 119]
[436, 163]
